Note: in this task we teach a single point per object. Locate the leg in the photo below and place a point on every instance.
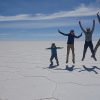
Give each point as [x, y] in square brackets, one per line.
[92, 51]
[68, 50]
[85, 49]
[96, 47]
[51, 60]
[73, 54]
[56, 58]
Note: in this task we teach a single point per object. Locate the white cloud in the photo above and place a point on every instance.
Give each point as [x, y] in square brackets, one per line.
[33, 25]
[78, 12]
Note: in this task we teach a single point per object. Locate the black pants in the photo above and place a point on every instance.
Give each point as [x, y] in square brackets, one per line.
[56, 58]
[86, 45]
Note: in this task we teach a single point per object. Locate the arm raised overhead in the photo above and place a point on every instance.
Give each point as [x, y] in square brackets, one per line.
[81, 27]
[62, 33]
[93, 26]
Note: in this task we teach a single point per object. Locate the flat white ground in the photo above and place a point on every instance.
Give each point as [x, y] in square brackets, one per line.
[24, 74]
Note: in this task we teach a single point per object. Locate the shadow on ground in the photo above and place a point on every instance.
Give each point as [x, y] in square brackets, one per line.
[72, 68]
[92, 69]
[68, 68]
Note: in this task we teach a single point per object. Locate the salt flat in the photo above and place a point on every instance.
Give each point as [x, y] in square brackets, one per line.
[24, 74]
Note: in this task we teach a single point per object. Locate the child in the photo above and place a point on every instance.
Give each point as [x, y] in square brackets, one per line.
[54, 53]
[88, 40]
[70, 43]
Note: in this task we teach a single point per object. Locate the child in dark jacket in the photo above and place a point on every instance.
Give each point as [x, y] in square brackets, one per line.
[53, 49]
[70, 43]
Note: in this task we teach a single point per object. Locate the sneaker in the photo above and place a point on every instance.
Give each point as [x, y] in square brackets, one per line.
[51, 64]
[73, 61]
[91, 55]
[82, 59]
[94, 58]
[66, 61]
[57, 64]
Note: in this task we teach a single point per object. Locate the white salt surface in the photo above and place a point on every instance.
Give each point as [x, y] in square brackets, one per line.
[24, 74]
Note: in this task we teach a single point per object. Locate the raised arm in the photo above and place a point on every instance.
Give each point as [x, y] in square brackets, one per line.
[98, 17]
[81, 27]
[78, 36]
[62, 33]
[93, 26]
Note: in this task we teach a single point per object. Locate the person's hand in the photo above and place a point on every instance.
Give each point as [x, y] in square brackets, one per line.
[79, 22]
[58, 30]
[93, 20]
[61, 47]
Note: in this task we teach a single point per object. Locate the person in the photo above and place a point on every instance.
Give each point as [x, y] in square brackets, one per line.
[98, 17]
[70, 43]
[96, 47]
[88, 40]
[98, 43]
[54, 53]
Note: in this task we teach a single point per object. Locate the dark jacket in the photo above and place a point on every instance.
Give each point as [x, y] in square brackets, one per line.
[54, 50]
[70, 37]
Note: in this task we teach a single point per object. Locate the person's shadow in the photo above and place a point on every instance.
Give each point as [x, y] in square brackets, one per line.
[68, 68]
[72, 68]
[53, 66]
[92, 69]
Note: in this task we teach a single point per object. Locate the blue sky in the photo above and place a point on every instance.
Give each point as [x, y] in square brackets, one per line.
[40, 19]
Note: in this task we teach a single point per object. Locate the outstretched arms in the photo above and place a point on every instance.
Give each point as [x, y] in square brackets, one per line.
[55, 47]
[62, 33]
[59, 47]
[98, 17]
[81, 27]
[48, 48]
[78, 36]
[93, 26]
